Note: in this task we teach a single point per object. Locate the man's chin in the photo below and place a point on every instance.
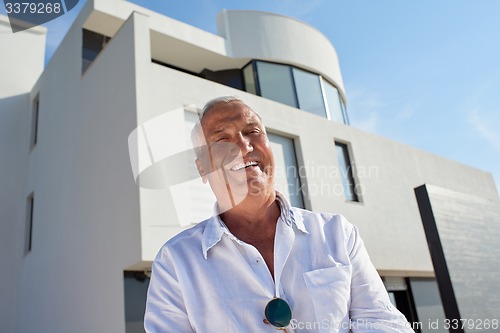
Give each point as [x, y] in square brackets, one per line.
[228, 199]
[236, 191]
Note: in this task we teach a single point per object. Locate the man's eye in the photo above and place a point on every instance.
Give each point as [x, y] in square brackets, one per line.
[223, 138]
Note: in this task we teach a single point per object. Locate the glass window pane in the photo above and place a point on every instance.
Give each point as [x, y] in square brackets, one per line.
[92, 45]
[344, 112]
[275, 82]
[249, 79]
[135, 292]
[286, 171]
[334, 102]
[428, 304]
[346, 172]
[309, 92]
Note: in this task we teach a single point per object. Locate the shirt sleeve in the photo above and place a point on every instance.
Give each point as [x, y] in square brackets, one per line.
[165, 308]
[370, 310]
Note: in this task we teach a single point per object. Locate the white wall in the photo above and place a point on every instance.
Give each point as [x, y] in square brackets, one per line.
[468, 230]
[21, 61]
[22, 58]
[268, 36]
[86, 221]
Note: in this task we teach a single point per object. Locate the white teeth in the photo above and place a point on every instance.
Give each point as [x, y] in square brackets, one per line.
[242, 166]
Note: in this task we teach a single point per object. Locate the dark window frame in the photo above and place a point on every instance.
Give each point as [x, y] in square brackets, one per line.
[352, 195]
[30, 207]
[88, 37]
[254, 73]
[164, 64]
[35, 116]
[405, 303]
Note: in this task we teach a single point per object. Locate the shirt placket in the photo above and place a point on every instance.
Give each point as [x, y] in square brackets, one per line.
[258, 265]
[283, 244]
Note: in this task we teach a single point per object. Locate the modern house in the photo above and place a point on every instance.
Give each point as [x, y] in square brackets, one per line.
[96, 172]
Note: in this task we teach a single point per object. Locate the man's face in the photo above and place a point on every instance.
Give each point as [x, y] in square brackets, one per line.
[238, 160]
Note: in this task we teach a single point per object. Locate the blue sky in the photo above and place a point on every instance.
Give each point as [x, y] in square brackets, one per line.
[425, 73]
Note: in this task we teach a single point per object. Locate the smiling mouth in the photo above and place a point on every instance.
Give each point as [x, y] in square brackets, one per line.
[242, 166]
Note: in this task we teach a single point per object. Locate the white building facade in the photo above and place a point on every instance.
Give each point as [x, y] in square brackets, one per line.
[80, 227]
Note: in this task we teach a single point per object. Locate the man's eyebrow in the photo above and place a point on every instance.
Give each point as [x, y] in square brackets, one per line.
[215, 132]
[253, 123]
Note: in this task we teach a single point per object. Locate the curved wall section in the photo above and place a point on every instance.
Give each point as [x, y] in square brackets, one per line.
[267, 36]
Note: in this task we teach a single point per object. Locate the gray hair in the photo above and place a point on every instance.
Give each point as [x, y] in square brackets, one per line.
[196, 132]
[218, 101]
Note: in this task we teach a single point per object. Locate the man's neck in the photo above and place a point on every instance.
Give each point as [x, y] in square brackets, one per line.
[254, 219]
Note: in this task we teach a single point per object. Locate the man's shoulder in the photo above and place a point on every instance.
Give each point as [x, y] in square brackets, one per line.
[312, 219]
[191, 237]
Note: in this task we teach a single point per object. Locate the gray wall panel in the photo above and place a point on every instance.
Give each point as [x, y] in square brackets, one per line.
[468, 230]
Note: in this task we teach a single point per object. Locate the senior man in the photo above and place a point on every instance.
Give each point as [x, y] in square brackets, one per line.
[258, 264]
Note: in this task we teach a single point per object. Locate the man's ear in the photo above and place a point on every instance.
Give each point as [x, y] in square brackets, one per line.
[201, 171]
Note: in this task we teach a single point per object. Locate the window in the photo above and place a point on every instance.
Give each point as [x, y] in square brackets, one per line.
[249, 79]
[295, 87]
[401, 297]
[287, 175]
[29, 224]
[34, 120]
[309, 93]
[427, 303]
[335, 105]
[276, 83]
[346, 173]
[92, 45]
[135, 285]
[228, 77]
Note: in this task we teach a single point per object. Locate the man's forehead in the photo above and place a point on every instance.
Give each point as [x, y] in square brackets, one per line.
[225, 115]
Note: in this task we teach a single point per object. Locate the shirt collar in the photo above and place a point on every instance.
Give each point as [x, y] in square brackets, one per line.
[216, 228]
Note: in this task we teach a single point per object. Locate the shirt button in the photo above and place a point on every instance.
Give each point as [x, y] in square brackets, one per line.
[257, 260]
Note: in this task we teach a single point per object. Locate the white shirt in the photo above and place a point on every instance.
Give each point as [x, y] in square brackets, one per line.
[206, 280]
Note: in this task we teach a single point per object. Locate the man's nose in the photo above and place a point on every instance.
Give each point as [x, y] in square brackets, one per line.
[244, 143]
